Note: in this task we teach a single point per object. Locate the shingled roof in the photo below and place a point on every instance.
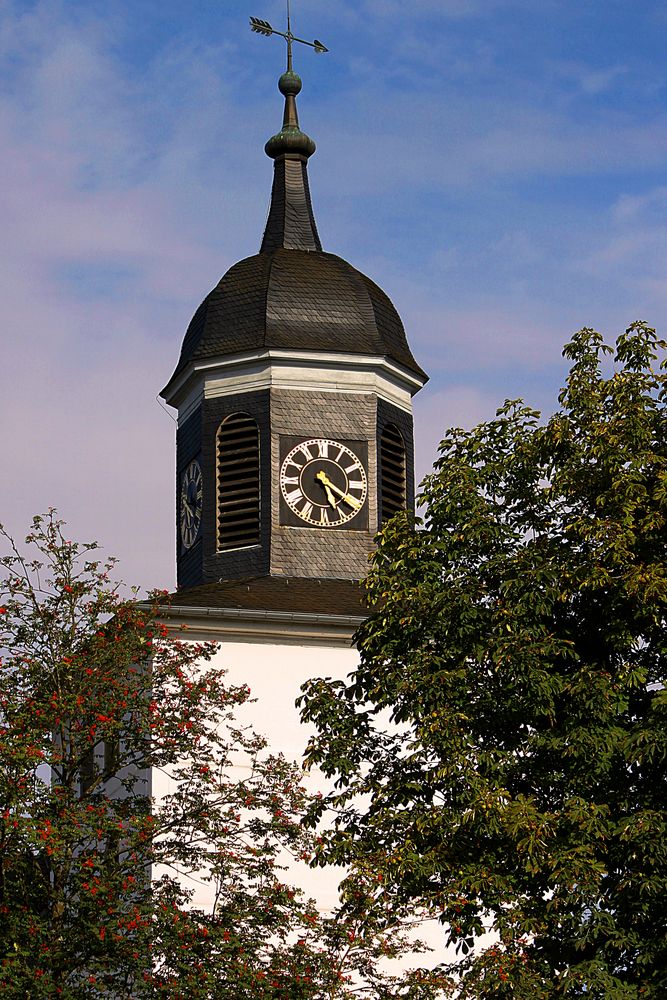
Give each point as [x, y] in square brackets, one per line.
[293, 295]
[298, 300]
[277, 594]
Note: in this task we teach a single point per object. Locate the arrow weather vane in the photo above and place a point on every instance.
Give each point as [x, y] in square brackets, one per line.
[264, 28]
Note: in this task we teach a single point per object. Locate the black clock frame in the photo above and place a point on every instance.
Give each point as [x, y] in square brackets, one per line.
[184, 473]
[288, 518]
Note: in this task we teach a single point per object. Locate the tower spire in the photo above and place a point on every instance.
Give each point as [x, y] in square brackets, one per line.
[291, 223]
[289, 36]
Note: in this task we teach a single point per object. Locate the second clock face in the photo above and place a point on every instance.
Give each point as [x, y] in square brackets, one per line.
[191, 504]
[323, 482]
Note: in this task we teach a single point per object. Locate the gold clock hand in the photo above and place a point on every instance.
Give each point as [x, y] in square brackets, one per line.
[352, 501]
[324, 479]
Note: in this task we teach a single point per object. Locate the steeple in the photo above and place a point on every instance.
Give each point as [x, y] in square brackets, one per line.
[293, 389]
[291, 223]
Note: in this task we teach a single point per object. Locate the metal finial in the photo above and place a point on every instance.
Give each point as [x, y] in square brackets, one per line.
[264, 28]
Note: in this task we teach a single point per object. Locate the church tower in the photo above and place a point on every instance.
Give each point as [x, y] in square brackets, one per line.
[293, 390]
[295, 441]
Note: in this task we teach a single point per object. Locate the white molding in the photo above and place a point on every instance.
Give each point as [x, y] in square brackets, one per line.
[324, 371]
[279, 627]
[190, 402]
[300, 370]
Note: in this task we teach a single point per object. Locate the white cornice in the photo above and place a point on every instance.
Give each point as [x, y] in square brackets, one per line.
[281, 627]
[279, 368]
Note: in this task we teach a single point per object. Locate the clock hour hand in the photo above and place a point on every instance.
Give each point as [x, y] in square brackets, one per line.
[323, 478]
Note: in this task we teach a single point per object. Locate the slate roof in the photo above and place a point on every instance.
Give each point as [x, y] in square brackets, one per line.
[299, 300]
[278, 594]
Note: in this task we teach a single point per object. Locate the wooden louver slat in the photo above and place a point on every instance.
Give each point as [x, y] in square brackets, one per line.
[238, 482]
[392, 472]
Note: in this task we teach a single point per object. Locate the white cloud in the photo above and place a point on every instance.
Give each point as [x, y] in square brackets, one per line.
[591, 80]
[454, 9]
[630, 252]
[436, 411]
[649, 206]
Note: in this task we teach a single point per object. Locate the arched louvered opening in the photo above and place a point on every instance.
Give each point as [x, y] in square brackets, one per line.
[238, 482]
[392, 472]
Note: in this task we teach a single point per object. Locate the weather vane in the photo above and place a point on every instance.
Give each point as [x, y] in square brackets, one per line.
[264, 28]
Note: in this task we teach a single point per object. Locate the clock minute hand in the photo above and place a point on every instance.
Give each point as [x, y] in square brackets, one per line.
[352, 501]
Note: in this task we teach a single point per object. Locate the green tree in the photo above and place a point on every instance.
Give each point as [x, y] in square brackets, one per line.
[500, 751]
[94, 898]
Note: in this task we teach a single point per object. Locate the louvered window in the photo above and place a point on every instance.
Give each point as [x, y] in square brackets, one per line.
[392, 471]
[238, 482]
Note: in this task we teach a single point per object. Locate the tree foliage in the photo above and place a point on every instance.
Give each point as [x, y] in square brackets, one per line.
[97, 874]
[500, 751]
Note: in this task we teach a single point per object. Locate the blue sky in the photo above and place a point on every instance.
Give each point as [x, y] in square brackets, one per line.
[498, 166]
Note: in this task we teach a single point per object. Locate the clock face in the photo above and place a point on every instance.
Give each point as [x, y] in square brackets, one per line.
[191, 504]
[323, 482]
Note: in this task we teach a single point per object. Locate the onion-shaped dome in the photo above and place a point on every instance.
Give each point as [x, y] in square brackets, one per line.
[299, 300]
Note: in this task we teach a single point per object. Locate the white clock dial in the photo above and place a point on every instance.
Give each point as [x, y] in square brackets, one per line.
[323, 482]
[191, 502]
